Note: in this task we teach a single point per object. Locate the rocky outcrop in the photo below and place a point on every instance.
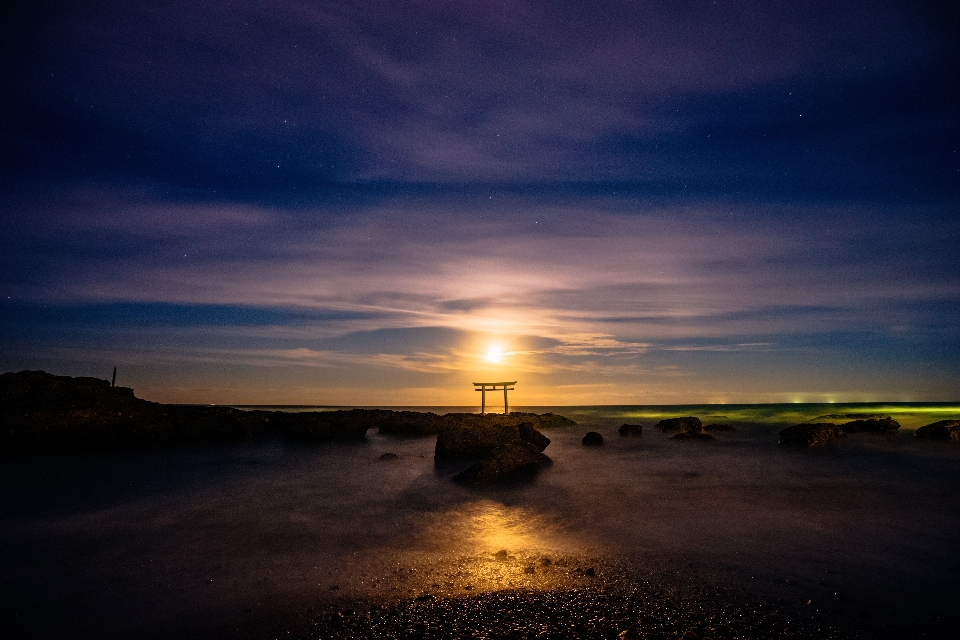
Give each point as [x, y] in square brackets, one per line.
[687, 436]
[811, 435]
[681, 425]
[412, 423]
[480, 435]
[630, 430]
[884, 424]
[42, 412]
[592, 439]
[941, 430]
[511, 461]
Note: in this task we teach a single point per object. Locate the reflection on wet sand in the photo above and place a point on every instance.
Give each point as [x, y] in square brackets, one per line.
[484, 546]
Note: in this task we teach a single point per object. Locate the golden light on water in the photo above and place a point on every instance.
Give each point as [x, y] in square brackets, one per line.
[485, 545]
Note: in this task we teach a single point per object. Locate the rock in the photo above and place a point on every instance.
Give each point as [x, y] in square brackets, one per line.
[320, 426]
[388, 457]
[719, 427]
[41, 412]
[506, 462]
[883, 425]
[478, 436]
[592, 439]
[413, 423]
[681, 425]
[941, 430]
[811, 435]
[531, 436]
[687, 436]
[630, 429]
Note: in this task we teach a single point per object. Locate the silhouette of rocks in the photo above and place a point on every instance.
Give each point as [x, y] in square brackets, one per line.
[681, 425]
[413, 423]
[473, 436]
[941, 430]
[811, 435]
[42, 412]
[719, 427]
[884, 424]
[688, 436]
[630, 429]
[592, 439]
[505, 462]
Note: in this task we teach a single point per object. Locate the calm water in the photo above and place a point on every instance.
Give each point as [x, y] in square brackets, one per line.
[152, 542]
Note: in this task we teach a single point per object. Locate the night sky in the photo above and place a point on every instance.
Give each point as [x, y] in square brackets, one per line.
[351, 203]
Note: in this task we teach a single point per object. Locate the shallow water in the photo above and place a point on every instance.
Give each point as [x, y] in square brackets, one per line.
[150, 542]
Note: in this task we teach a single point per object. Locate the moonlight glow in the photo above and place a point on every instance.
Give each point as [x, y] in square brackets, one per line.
[494, 354]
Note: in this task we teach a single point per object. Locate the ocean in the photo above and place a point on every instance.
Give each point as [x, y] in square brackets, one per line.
[161, 542]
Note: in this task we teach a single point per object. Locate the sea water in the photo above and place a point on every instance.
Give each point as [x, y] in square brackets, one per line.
[134, 543]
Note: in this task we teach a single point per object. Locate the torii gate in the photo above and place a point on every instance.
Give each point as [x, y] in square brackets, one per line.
[493, 386]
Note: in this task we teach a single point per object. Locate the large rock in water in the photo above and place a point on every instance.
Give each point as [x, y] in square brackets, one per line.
[630, 429]
[811, 435]
[681, 425]
[884, 424]
[941, 430]
[477, 437]
[506, 462]
[411, 423]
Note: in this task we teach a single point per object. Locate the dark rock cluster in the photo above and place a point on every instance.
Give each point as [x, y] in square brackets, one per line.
[817, 434]
[41, 412]
[942, 430]
[500, 451]
[820, 434]
[688, 424]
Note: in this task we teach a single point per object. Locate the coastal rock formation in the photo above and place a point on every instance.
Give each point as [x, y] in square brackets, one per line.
[630, 429]
[479, 436]
[41, 412]
[719, 427]
[941, 430]
[505, 462]
[412, 423]
[811, 435]
[681, 425]
[884, 424]
[319, 426]
[688, 436]
[592, 439]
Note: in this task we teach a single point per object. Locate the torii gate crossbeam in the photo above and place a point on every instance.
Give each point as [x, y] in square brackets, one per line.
[493, 386]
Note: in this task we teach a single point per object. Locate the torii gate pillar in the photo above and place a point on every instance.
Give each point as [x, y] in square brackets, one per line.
[493, 386]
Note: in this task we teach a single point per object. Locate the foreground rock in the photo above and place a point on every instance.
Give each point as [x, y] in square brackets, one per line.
[942, 430]
[630, 430]
[811, 435]
[412, 423]
[479, 435]
[506, 462]
[501, 451]
[884, 424]
[681, 425]
[592, 439]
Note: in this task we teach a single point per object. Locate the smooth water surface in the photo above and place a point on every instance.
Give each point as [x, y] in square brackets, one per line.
[152, 542]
